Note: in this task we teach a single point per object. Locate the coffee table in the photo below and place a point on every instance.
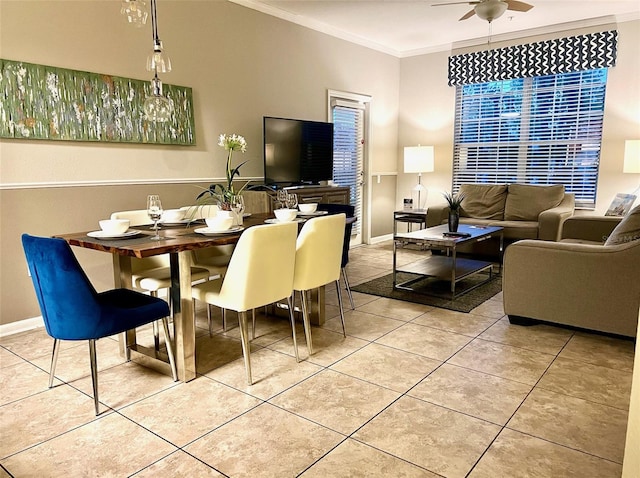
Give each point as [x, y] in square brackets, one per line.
[447, 266]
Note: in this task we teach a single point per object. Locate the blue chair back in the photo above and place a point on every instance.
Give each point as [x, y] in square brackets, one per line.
[67, 299]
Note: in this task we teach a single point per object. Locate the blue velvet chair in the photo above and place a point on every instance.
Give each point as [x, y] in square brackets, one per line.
[73, 310]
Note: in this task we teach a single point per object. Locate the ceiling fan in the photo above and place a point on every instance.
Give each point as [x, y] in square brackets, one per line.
[489, 10]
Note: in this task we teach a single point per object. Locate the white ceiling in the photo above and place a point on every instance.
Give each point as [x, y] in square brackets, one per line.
[412, 27]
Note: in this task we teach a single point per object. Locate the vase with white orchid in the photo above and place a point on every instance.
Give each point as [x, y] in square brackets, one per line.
[224, 194]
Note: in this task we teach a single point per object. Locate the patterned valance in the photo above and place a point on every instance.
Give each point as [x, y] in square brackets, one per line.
[563, 55]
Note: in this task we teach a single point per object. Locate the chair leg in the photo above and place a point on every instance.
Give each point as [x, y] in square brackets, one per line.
[167, 339]
[54, 361]
[246, 347]
[156, 333]
[209, 321]
[94, 374]
[348, 287]
[290, 303]
[344, 329]
[305, 321]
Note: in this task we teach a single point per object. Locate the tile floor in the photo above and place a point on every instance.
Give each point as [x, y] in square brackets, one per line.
[413, 391]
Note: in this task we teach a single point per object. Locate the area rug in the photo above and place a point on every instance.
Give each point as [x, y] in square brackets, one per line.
[439, 291]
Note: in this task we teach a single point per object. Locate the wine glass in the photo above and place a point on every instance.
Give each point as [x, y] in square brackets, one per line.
[281, 196]
[154, 210]
[237, 206]
[292, 201]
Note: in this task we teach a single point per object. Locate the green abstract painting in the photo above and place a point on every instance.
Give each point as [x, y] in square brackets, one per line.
[45, 102]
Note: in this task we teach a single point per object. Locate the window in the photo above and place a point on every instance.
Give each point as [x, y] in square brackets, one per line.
[538, 130]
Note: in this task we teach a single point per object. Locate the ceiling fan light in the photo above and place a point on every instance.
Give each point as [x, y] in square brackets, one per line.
[489, 10]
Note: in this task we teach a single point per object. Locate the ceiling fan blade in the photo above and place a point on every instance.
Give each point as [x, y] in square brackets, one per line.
[454, 3]
[469, 14]
[518, 6]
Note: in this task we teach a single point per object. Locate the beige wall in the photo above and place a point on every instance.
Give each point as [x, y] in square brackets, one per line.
[427, 104]
[241, 65]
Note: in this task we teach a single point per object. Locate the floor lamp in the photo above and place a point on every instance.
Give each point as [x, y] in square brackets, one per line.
[418, 159]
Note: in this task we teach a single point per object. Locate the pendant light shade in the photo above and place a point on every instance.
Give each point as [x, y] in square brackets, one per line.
[158, 60]
[157, 107]
[135, 11]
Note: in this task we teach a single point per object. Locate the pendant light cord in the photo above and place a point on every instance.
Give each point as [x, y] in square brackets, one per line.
[154, 22]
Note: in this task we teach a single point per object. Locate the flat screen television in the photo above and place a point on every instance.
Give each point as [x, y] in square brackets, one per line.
[297, 152]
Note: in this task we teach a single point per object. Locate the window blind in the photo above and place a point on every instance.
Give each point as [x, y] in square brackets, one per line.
[540, 130]
[348, 149]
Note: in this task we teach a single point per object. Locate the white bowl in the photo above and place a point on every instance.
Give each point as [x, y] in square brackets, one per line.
[114, 226]
[308, 207]
[173, 215]
[219, 223]
[286, 215]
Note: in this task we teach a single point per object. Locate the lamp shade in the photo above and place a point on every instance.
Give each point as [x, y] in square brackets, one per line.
[418, 159]
[631, 156]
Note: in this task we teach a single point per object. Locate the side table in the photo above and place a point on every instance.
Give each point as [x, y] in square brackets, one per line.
[410, 217]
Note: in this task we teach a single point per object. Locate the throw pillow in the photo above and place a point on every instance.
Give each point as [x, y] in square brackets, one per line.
[483, 201]
[627, 230]
[525, 202]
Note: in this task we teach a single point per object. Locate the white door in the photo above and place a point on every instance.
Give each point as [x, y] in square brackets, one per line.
[349, 117]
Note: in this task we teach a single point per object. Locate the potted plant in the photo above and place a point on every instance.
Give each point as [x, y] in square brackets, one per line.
[455, 203]
[224, 195]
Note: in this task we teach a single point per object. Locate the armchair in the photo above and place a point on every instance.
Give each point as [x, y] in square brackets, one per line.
[577, 283]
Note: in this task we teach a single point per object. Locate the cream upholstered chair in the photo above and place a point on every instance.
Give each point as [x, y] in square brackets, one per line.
[153, 273]
[215, 259]
[318, 262]
[260, 272]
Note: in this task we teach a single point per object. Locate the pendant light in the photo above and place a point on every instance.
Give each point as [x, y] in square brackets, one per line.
[135, 11]
[157, 107]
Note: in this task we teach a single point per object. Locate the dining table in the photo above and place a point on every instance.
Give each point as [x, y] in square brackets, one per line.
[178, 241]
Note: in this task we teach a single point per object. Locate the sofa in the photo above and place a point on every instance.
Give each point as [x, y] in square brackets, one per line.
[524, 211]
[589, 281]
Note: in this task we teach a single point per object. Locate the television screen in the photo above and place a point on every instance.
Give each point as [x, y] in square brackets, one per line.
[297, 151]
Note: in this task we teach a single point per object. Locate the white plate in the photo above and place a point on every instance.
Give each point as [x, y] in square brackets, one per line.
[210, 232]
[108, 235]
[246, 214]
[176, 223]
[315, 213]
[278, 221]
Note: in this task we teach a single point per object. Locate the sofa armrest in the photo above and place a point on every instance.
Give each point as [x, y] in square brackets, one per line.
[437, 214]
[550, 221]
[582, 285]
[589, 228]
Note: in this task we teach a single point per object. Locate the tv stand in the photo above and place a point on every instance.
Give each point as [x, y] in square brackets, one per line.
[264, 201]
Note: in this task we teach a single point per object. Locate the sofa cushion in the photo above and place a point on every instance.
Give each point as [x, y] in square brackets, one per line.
[483, 201]
[525, 202]
[627, 230]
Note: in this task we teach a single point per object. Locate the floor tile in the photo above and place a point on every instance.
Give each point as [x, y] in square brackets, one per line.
[272, 372]
[517, 455]
[281, 444]
[475, 393]
[216, 351]
[353, 459]
[440, 440]
[457, 322]
[335, 400]
[363, 326]
[328, 346]
[585, 426]
[269, 329]
[395, 309]
[22, 380]
[125, 384]
[190, 410]
[8, 359]
[600, 350]
[178, 465]
[34, 419]
[33, 344]
[490, 308]
[504, 361]
[541, 338]
[591, 382]
[426, 341]
[89, 451]
[386, 366]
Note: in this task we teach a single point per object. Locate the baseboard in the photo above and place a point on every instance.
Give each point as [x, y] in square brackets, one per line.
[379, 239]
[21, 326]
